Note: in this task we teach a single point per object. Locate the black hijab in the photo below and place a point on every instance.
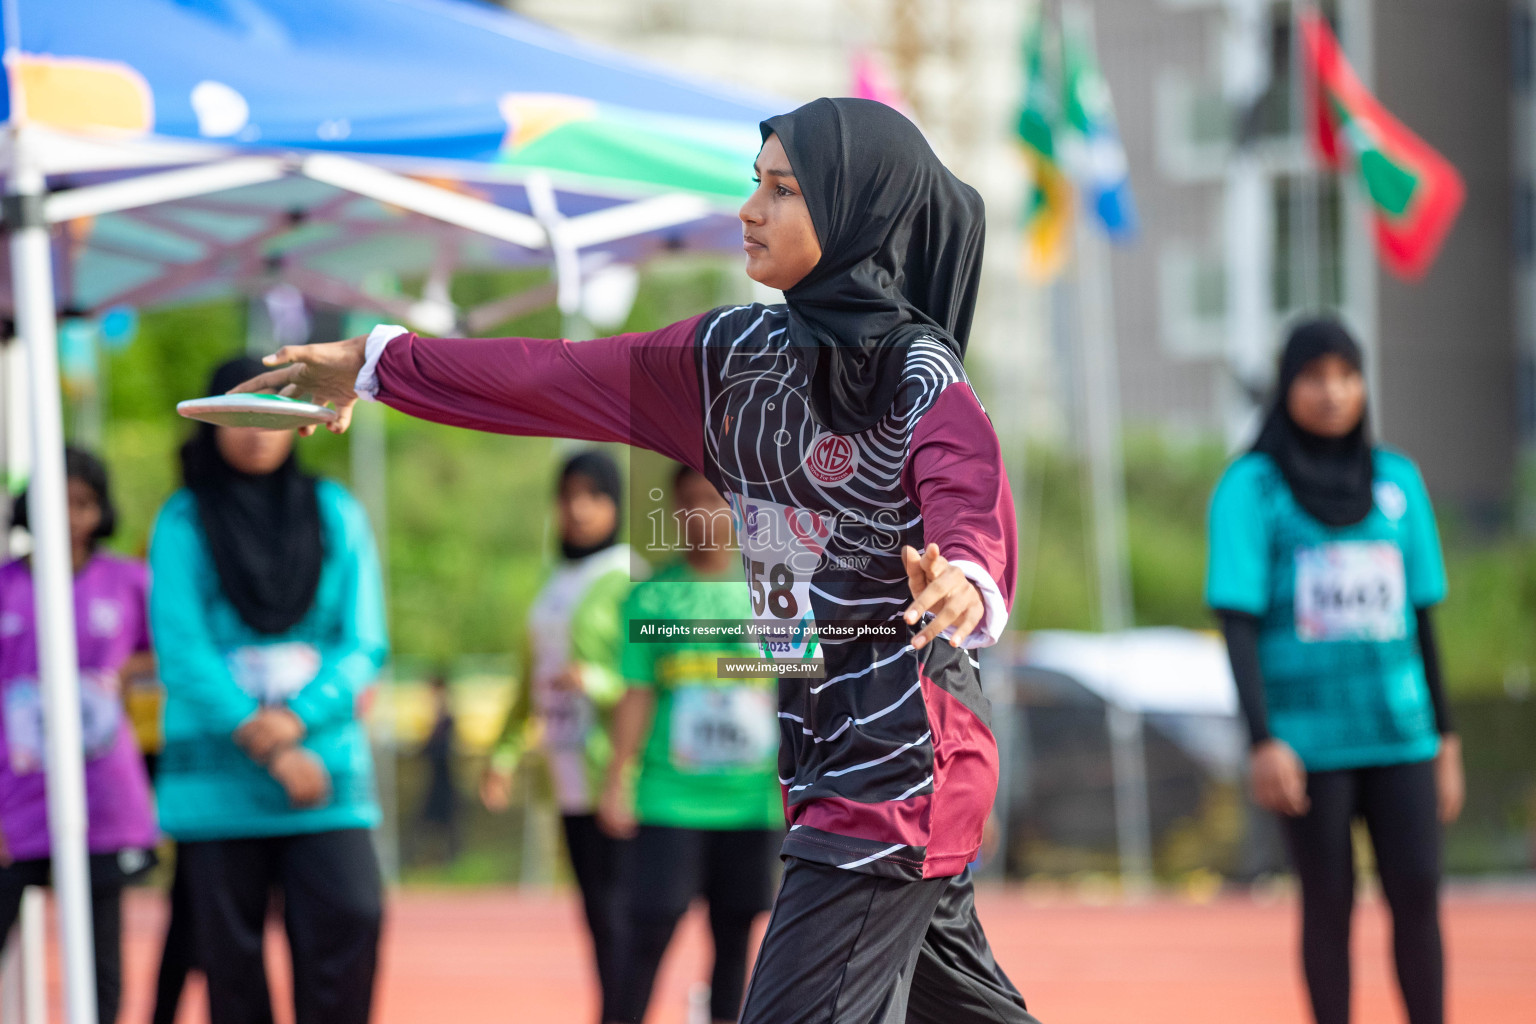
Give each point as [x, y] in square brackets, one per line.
[598, 467]
[901, 240]
[263, 531]
[1330, 477]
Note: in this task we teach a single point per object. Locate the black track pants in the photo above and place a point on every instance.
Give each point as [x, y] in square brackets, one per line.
[1398, 804]
[849, 948]
[332, 909]
[733, 870]
[600, 864]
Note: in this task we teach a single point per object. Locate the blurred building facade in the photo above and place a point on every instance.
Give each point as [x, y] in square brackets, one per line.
[1240, 231]
[1243, 232]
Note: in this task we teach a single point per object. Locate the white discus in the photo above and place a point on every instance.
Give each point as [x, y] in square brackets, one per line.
[269, 412]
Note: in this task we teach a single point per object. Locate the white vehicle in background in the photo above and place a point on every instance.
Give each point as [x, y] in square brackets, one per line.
[1113, 743]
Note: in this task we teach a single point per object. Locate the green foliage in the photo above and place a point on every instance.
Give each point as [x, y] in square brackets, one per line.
[171, 359]
[471, 288]
[684, 286]
[1487, 626]
[1166, 490]
[1056, 588]
[468, 515]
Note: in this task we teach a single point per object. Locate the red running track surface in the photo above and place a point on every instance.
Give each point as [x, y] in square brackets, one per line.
[496, 956]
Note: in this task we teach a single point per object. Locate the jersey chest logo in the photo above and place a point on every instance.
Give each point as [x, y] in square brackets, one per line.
[832, 459]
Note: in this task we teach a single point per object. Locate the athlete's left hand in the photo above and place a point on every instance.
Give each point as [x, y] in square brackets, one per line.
[944, 590]
[1450, 782]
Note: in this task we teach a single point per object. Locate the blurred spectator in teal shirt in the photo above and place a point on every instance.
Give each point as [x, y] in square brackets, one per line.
[268, 614]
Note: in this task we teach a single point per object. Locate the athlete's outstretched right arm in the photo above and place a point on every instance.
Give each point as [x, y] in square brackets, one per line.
[640, 389]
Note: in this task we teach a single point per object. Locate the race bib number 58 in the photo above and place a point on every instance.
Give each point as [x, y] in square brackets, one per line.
[781, 547]
[1350, 590]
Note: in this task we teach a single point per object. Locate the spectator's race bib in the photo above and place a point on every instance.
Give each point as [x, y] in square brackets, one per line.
[781, 547]
[101, 714]
[272, 673]
[1351, 590]
[567, 717]
[722, 727]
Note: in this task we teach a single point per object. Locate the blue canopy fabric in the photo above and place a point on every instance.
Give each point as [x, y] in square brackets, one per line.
[460, 94]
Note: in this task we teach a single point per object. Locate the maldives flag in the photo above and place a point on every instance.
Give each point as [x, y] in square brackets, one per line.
[1415, 191]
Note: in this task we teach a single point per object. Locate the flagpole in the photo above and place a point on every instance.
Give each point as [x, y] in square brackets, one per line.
[1247, 223]
[1100, 382]
[1305, 224]
[1357, 250]
[1095, 158]
[1359, 253]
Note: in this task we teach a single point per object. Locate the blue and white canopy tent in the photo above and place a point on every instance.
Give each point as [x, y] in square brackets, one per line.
[164, 150]
[355, 134]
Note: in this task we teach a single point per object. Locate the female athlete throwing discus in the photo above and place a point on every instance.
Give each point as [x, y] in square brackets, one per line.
[1324, 563]
[867, 485]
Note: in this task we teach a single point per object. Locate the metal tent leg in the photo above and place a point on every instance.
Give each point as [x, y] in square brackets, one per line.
[53, 582]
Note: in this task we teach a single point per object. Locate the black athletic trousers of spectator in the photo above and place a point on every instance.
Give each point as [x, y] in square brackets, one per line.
[1398, 804]
[849, 948]
[733, 869]
[178, 953]
[106, 924]
[332, 911]
[600, 864]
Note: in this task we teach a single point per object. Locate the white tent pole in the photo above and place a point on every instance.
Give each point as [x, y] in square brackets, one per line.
[53, 580]
[429, 200]
[168, 186]
[637, 218]
[541, 199]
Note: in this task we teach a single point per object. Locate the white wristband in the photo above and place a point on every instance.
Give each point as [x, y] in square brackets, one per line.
[995, 618]
[367, 386]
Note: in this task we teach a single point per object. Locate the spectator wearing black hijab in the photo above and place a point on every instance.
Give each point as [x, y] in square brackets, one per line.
[567, 687]
[1324, 564]
[268, 612]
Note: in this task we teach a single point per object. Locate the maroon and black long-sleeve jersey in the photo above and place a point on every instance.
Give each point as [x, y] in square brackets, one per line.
[887, 762]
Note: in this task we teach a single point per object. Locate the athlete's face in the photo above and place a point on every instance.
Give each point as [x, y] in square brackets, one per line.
[587, 515]
[1327, 397]
[254, 451]
[776, 230]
